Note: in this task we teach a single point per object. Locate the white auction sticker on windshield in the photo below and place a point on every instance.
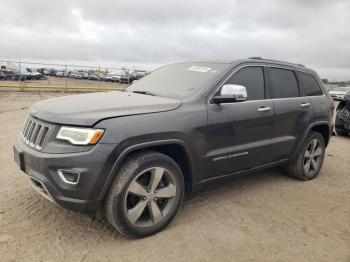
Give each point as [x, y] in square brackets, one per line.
[199, 69]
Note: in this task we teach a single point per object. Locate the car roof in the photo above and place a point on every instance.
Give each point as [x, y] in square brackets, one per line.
[260, 60]
[296, 66]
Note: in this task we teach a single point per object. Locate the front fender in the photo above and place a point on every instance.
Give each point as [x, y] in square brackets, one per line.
[125, 151]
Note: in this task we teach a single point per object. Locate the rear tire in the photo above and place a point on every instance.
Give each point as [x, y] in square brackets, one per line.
[145, 195]
[310, 159]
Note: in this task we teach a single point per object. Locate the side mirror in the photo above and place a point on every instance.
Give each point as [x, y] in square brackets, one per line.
[231, 93]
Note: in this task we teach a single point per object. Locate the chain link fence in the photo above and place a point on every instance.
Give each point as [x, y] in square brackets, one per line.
[31, 75]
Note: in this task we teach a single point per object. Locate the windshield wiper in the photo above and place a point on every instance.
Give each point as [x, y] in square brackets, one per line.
[145, 93]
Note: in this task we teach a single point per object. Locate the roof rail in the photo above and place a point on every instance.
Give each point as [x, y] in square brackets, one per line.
[272, 60]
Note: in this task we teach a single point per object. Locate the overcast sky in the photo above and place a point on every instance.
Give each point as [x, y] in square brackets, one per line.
[154, 32]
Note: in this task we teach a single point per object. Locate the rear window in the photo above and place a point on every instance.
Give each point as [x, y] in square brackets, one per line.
[309, 85]
[283, 83]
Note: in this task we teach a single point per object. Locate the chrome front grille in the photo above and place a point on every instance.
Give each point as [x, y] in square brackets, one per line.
[35, 133]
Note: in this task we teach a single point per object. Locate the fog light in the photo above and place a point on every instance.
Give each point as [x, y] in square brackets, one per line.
[69, 176]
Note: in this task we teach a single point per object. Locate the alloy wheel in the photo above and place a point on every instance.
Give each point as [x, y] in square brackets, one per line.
[150, 197]
[313, 157]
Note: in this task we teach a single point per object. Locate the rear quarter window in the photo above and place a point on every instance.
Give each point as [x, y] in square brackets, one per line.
[309, 85]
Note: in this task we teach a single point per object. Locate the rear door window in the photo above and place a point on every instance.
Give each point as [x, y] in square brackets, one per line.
[309, 85]
[283, 83]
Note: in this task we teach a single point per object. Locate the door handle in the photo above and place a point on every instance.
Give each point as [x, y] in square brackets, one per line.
[264, 108]
[305, 104]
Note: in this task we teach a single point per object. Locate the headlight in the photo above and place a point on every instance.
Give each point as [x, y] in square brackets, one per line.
[80, 136]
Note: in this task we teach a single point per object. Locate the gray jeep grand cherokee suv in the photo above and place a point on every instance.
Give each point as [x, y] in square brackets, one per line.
[134, 154]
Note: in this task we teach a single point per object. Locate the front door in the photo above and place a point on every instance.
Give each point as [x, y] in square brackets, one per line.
[238, 134]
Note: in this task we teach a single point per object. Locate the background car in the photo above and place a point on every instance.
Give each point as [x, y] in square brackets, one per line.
[93, 77]
[60, 73]
[52, 72]
[22, 75]
[3, 75]
[139, 74]
[110, 77]
[127, 78]
[73, 74]
[339, 92]
[81, 75]
[8, 74]
[43, 71]
[34, 74]
[342, 120]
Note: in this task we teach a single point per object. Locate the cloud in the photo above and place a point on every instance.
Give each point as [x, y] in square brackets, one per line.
[154, 32]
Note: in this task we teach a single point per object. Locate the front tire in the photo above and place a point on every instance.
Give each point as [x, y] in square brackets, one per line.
[145, 195]
[309, 162]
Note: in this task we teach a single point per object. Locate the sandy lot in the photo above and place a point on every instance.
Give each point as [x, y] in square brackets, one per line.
[262, 217]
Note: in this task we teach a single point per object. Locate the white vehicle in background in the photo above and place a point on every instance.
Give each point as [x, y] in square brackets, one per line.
[25, 74]
[60, 73]
[139, 74]
[110, 77]
[81, 75]
[33, 74]
[72, 74]
[339, 92]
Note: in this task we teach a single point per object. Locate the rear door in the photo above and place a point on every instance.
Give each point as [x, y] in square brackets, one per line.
[310, 87]
[238, 134]
[293, 113]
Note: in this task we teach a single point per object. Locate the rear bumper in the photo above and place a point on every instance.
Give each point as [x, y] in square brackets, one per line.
[42, 171]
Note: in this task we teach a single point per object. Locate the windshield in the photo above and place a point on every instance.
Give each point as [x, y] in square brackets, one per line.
[179, 80]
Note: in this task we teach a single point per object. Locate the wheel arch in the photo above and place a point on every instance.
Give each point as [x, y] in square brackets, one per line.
[322, 127]
[174, 148]
[324, 130]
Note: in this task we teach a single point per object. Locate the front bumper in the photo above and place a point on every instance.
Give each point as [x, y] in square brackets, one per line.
[93, 166]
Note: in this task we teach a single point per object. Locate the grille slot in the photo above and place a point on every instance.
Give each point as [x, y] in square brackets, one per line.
[35, 132]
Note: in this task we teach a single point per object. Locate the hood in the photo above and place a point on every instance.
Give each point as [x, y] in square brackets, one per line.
[88, 109]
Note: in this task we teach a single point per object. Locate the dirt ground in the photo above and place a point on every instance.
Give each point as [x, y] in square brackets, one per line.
[261, 217]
